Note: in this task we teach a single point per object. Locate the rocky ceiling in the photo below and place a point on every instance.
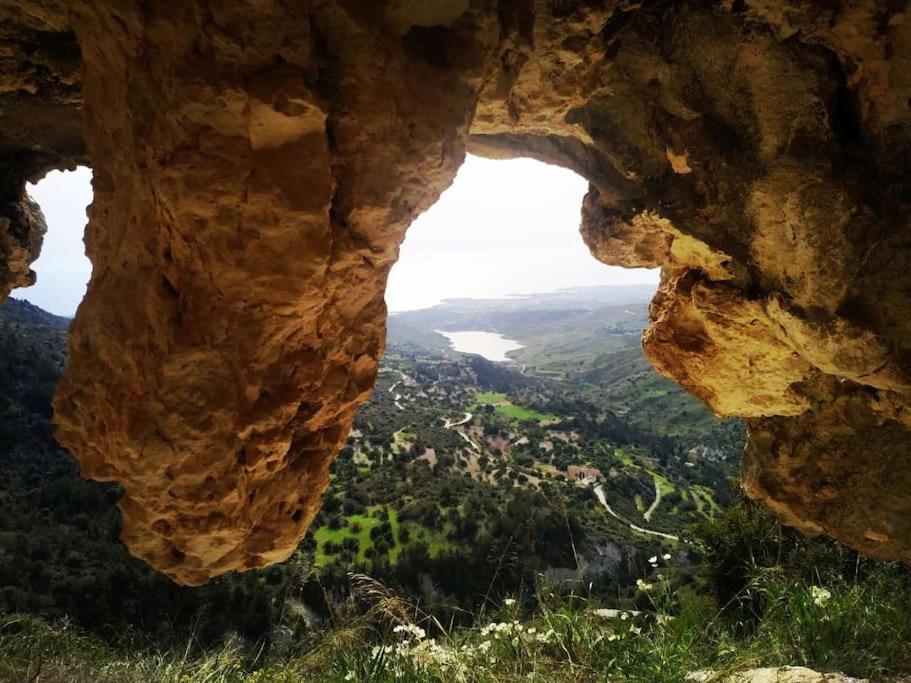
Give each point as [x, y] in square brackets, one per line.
[257, 162]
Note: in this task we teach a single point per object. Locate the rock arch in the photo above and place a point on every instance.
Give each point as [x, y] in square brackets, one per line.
[256, 165]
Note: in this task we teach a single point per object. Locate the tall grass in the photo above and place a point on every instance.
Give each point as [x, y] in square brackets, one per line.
[860, 628]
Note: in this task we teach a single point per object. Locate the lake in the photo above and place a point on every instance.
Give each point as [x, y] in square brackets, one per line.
[491, 345]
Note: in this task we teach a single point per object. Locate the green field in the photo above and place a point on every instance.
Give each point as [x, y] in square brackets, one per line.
[704, 500]
[664, 484]
[504, 406]
[366, 522]
[625, 458]
[437, 540]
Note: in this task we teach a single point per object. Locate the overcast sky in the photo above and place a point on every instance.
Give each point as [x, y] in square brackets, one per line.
[504, 227]
[63, 269]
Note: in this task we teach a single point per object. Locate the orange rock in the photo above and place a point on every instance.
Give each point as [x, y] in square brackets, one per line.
[256, 165]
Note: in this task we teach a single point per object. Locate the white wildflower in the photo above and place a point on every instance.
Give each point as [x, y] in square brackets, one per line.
[643, 586]
[410, 631]
[820, 596]
[666, 556]
[509, 602]
[377, 649]
[653, 559]
[349, 676]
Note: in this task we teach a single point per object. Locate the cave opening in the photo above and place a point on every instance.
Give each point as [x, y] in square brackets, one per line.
[498, 259]
[63, 269]
[504, 228]
[509, 348]
[258, 166]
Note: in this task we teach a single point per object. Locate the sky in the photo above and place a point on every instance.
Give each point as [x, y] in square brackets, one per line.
[63, 268]
[503, 227]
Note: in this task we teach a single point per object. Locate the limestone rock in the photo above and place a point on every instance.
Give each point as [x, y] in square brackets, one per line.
[784, 674]
[39, 124]
[256, 165]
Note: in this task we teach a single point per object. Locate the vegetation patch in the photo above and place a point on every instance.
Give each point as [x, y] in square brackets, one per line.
[504, 406]
[704, 500]
[768, 598]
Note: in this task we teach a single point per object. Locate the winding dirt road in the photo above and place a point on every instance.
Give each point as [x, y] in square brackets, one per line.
[599, 494]
[448, 424]
[654, 506]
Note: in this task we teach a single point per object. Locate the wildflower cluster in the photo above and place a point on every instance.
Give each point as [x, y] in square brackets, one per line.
[643, 586]
[514, 632]
[482, 647]
[410, 632]
[415, 651]
[820, 596]
[653, 560]
[620, 631]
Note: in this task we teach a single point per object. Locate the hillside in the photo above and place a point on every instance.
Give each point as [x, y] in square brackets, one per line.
[455, 461]
[590, 507]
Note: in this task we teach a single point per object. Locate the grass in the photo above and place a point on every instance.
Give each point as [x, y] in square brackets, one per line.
[33, 650]
[437, 540]
[492, 398]
[625, 458]
[664, 484]
[401, 441]
[366, 522]
[704, 500]
[860, 629]
[504, 406]
[765, 597]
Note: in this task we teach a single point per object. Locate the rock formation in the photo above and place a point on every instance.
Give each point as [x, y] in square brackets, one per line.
[40, 99]
[256, 165]
[784, 674]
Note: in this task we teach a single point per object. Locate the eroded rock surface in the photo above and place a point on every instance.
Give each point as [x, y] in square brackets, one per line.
[40, 124]
[782, 674]
[256, 165]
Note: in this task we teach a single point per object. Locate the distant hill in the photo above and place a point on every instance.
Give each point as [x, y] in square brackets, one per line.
[589, 336]
[32, 357]
[18, 311]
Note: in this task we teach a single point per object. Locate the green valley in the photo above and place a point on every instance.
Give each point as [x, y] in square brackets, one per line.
[593, 501]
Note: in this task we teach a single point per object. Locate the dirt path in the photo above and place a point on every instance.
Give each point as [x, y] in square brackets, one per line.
[469, 441]
[599, 494]
[398, 397]
[452, 425]
[654, 506]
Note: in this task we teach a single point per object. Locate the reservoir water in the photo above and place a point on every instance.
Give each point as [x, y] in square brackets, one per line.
[492, 345]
